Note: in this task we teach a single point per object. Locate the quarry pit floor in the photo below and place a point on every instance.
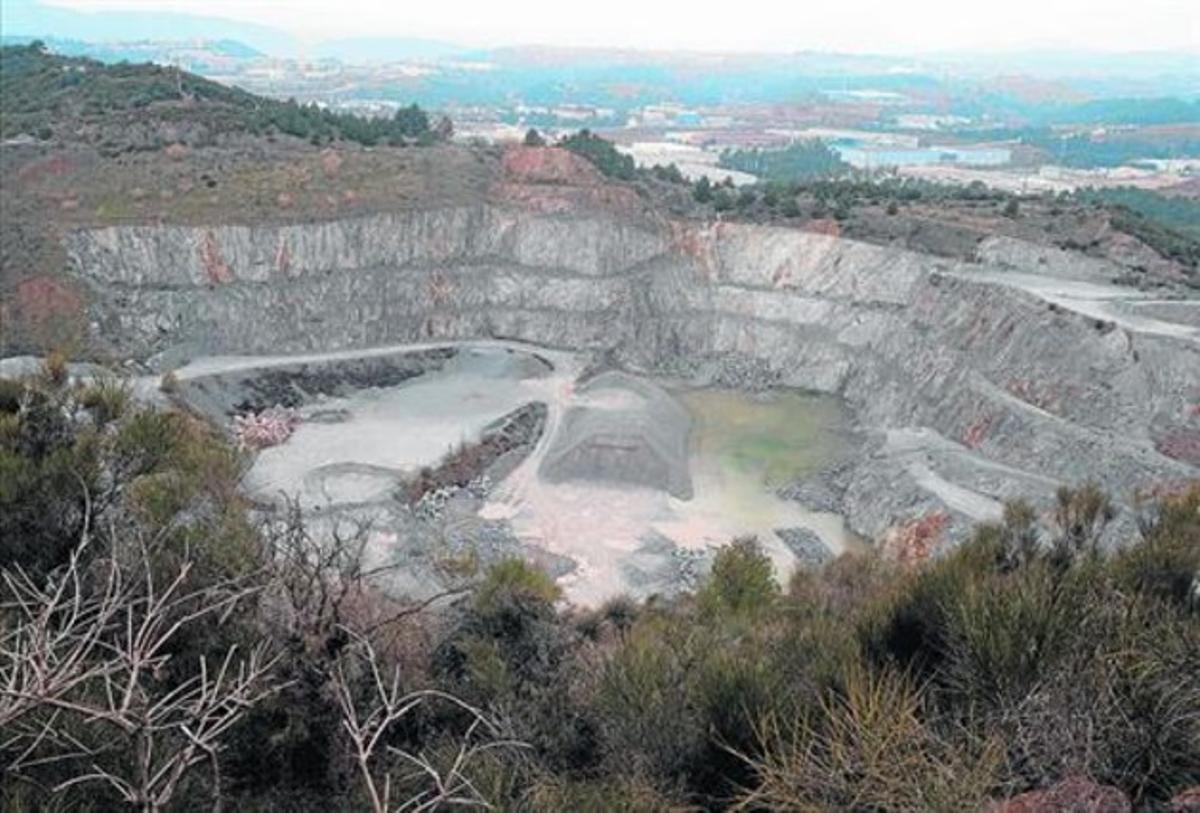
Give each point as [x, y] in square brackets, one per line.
[352, 449]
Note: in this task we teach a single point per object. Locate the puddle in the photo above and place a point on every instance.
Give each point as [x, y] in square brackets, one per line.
[771, 439]
[743, 448]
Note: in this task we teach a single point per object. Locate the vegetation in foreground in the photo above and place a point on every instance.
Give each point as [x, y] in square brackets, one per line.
[161, 650]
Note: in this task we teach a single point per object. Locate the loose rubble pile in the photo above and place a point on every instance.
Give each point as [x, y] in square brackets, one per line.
[261, 430]
[431, 505]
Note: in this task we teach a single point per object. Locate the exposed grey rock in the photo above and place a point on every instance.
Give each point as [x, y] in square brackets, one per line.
[1005, 387]
[805, 545]
[660, 567]
[822, 490]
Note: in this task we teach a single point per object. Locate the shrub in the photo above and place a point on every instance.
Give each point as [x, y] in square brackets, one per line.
[1165, 564]
[647, 717]
[907, 623]
[514, 582]
[107, 398]
[868, 749]
[742, 582]
[1005, 632]
[54, 372]
[1080, 515]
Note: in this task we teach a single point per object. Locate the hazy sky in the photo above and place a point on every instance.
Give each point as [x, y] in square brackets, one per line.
[903, 26]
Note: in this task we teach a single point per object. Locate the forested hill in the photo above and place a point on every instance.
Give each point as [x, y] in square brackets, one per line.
[52, 97]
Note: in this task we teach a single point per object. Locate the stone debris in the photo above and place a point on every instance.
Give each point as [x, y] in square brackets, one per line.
[261, 430]
[432, 504]
[808, 548]
[625, 430]
[1072, 795]
[746, 373]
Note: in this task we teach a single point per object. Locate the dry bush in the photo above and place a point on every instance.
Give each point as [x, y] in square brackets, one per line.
[90, 690]
[868, 749]
[369, 718]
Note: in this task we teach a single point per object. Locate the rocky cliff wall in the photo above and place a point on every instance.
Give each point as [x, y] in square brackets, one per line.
[973, 390]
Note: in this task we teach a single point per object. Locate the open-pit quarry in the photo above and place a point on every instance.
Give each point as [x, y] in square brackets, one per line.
[644, 388]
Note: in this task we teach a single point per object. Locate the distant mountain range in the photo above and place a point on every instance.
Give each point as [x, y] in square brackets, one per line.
[21, 20]
[29, 18]
[1033, 87]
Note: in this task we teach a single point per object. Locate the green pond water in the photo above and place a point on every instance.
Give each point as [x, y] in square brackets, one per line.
[773, 438]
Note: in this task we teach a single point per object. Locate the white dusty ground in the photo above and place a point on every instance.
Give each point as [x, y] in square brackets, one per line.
[741, 450]
[391, 431]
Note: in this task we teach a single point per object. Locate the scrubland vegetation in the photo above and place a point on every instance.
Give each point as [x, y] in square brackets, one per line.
[163, 648]
[611, 162]
[810, 158]
[50, 96]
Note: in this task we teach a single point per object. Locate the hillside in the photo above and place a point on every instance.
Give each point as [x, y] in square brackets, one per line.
[87, 145]
[124, 107]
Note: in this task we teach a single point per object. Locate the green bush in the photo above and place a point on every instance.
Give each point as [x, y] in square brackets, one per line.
[107, 398]
[907, 623]
[611, 162]
[1166, 564]
[1004, 633]
[646, 701]
[742, 582]
[515, 582]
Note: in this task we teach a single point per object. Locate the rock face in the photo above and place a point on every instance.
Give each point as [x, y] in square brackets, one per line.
[976, 384]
